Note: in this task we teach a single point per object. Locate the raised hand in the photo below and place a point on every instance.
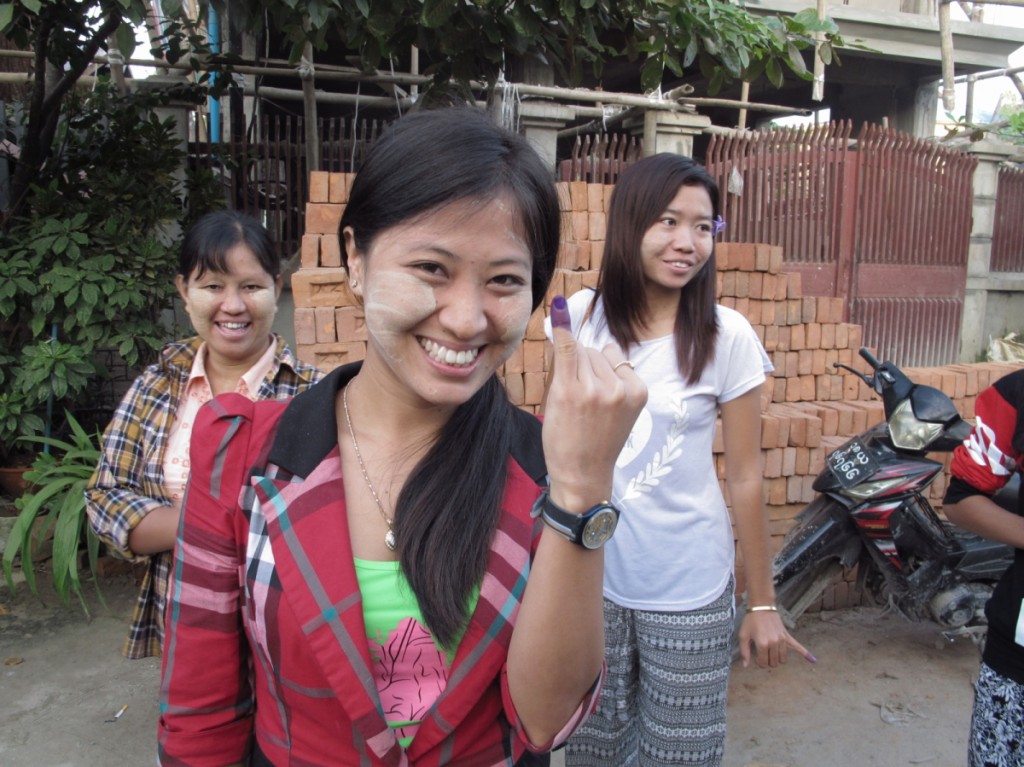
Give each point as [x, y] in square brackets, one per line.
[593, 400]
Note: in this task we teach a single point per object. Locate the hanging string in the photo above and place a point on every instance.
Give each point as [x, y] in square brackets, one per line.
[394, 87]
[607, 111]
[508, 117]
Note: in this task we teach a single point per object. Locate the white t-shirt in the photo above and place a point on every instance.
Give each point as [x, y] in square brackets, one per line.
[673, 549]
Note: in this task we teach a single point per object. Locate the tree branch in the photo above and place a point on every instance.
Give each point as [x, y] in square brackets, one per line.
[67, 82]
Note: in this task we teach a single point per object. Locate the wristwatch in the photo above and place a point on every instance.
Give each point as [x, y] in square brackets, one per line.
[592, 529]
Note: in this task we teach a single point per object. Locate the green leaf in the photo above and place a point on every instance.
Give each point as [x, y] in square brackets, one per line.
[90, 294]
[691, 51]
[651, 74]
[6, 15]
[318, 15]
[20, 539]
[796, 60]
[805, 18]
[66, 537]
[774, 72]
[825, 52]
[436, 13]
[125, 37]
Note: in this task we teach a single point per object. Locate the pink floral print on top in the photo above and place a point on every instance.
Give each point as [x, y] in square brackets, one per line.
[411, 673]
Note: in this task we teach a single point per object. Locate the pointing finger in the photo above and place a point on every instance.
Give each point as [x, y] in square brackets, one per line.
[803, 651]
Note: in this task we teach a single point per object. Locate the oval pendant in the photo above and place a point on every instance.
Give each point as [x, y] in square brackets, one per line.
[389, 540]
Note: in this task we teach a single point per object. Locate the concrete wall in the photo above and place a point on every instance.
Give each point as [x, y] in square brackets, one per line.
[993, 301]
[1005, 312]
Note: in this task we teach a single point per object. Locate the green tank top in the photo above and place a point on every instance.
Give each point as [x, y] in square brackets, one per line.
[409, 668]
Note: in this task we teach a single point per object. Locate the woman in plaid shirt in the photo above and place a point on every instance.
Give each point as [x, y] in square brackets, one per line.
[359, 579]
[229, 278]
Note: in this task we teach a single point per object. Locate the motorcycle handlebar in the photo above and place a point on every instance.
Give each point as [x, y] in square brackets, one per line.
[870, 358]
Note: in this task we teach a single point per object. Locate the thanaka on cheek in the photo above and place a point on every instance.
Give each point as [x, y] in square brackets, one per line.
[515, 316]
[392, 310]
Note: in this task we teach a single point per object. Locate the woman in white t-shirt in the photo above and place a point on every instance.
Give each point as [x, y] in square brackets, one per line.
[668, 584]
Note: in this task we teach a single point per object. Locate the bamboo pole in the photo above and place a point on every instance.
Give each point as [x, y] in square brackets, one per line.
[674, 100]
[818, 89]
[1008, 72]
[946, 50]
[969, 106]
[116, 58]
[751, 105]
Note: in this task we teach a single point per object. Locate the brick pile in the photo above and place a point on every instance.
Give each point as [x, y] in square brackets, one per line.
[810, 406]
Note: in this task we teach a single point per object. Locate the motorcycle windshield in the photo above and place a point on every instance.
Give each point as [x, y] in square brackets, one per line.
[932, 405]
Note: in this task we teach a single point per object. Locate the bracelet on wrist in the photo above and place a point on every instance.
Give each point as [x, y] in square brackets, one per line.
[763, 609]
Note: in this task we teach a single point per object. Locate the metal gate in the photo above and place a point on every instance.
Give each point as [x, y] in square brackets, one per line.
[883, 220]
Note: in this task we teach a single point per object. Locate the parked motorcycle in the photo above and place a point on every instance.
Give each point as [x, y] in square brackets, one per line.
[872, 512]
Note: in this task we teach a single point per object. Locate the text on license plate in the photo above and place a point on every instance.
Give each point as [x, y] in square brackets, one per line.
[852, 463]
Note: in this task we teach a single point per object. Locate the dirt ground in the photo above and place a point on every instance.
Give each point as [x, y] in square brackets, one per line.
[882, 692]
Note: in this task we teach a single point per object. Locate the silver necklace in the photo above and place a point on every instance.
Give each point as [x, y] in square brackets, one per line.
[389, 540]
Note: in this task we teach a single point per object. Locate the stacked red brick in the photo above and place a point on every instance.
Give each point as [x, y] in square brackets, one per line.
[810, 406]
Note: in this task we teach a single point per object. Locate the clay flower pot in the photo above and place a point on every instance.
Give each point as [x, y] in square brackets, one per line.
[12, 480]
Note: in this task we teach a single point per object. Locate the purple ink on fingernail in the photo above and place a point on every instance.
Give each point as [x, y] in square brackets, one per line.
[560, 313]
[811, 658]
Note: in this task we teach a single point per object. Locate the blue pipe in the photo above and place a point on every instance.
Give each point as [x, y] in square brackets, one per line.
[213, 30]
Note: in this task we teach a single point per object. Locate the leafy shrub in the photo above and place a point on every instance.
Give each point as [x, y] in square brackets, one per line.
[89, 263]
[57, 508]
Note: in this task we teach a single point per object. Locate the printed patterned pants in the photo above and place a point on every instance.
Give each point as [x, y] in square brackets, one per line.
[997, 724]
[663, 700]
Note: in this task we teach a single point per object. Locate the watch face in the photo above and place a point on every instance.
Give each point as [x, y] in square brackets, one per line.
[599, 528]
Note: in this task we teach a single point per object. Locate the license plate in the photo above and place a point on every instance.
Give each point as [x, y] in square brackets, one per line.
[852, 463]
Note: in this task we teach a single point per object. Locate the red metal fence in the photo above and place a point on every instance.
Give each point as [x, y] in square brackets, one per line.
[1008, 229]
[600, 158]
[883, 221]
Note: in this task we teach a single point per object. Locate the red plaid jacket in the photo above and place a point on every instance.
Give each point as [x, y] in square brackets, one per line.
[265, 631]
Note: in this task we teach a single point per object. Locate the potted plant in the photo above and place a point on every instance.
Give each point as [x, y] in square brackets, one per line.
[17, 420]
[55, 509]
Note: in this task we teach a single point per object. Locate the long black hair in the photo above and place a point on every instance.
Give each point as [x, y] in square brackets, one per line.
[641, 194]
[449, 508]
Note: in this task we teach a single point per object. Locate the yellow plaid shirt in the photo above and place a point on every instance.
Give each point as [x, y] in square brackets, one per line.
[129, 480]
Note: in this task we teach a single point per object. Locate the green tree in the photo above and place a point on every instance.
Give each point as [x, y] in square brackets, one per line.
[87, 264]
[87, 248]
[465, 41]
[64, 37]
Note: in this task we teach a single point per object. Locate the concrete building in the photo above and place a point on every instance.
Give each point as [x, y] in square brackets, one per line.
[896, 77]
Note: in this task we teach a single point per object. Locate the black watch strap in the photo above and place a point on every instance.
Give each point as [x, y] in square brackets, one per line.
[591, 529]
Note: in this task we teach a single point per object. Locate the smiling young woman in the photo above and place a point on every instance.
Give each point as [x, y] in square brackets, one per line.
[668, 581]
[362, 578]
[229, 277]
